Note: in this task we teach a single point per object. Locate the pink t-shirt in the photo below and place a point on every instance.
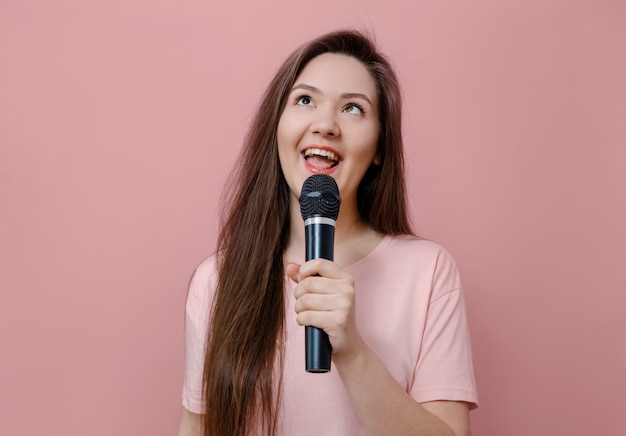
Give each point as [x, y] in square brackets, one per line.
[409, 310]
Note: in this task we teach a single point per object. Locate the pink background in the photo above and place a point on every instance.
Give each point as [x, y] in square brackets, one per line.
[120, 120]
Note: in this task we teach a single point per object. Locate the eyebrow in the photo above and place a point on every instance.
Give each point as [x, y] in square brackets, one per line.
[348, 95]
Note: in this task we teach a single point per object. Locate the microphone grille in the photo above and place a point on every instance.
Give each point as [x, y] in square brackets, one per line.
[320, 197]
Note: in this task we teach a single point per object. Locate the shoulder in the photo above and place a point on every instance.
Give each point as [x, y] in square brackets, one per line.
[425, 259]
[414, 249]
[202, 287]
[206, 271]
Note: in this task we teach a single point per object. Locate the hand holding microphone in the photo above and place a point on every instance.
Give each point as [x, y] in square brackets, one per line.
[328, 300]
[319, 205]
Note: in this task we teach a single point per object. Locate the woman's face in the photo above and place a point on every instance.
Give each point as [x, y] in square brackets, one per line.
[330, 125]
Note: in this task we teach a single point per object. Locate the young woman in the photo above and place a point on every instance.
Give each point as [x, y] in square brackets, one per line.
[390, 302]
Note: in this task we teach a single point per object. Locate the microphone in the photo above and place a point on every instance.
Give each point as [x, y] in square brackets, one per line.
[319, 205]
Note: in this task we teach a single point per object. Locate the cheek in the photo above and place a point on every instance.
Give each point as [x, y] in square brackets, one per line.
[280, 132]
[282, 138]
[288, 156]
[286, 133]
[369, 144]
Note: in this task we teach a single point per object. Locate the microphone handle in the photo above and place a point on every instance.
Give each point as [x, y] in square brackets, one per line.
[320, 242]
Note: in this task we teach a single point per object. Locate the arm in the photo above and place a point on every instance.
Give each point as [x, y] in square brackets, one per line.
[197, 307]
[383, 406]
[190, 424]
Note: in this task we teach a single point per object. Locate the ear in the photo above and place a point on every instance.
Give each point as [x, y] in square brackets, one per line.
[377, 160]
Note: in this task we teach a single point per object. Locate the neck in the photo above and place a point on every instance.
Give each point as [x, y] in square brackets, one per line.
[353, 237]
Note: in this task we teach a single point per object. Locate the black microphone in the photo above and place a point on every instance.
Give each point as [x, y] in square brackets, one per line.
[319, 205]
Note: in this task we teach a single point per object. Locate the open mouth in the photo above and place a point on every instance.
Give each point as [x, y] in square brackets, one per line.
[322, 159]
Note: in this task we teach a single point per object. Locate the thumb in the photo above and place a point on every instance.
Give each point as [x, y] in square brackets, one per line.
[293, 271]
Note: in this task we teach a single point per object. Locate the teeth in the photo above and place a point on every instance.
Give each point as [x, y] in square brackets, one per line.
[324, 153]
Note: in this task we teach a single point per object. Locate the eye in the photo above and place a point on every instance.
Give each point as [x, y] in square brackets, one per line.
[304, 100]
[353, 108]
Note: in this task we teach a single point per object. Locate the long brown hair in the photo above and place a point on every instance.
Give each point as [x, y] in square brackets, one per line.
[243, 364]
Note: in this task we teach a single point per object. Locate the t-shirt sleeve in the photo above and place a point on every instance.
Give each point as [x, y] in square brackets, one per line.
[444, 369]
[197, 310]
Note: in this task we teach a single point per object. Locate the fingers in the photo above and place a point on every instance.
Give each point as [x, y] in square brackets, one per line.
[325, 298]
[324, 294]
[322, 297]
[323, 285]
[324, 311]
[293, 271]
[318, 276]
[321, 267]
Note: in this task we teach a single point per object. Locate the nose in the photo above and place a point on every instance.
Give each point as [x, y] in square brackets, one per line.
[325, 123]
